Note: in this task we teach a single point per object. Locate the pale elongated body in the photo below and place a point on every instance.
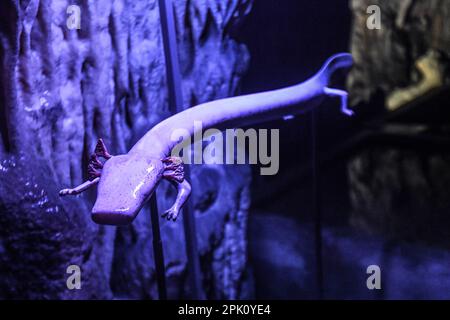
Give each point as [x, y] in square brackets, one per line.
[127, 181]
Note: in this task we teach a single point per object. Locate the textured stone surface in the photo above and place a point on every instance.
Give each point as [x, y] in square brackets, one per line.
[60, 90]
[384, 58]
[398, 192]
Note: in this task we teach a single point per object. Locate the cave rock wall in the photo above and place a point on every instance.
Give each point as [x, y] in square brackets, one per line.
[63, 88]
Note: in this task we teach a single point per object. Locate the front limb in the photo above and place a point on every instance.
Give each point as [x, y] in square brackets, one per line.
[184, 191]
[82, 187]
[94, 170]
[174, 172]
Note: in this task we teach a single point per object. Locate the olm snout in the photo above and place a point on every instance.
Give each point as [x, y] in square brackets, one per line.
[115, 217]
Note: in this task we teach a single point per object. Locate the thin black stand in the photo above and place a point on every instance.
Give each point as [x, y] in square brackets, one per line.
[316, 202]
[176, 105]
[158, 249]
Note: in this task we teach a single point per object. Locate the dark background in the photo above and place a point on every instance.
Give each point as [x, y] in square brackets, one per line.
[288, 42]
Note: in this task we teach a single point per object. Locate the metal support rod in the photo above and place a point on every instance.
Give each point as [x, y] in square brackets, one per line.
[316, 209]
[194, 280]
[169, 38]
[158, 249]
[176, 105]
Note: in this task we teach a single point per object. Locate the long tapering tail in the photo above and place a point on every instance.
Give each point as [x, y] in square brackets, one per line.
[247, 109]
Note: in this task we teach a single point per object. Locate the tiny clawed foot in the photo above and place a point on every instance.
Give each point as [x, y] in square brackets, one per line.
[170, 214]
[347, 111]
[343, 95]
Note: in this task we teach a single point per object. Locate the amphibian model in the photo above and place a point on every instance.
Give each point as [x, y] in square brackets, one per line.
[127, 181]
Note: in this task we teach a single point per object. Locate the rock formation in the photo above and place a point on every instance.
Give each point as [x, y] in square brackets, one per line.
[396, 189]
[385, 58]
[62, 88]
